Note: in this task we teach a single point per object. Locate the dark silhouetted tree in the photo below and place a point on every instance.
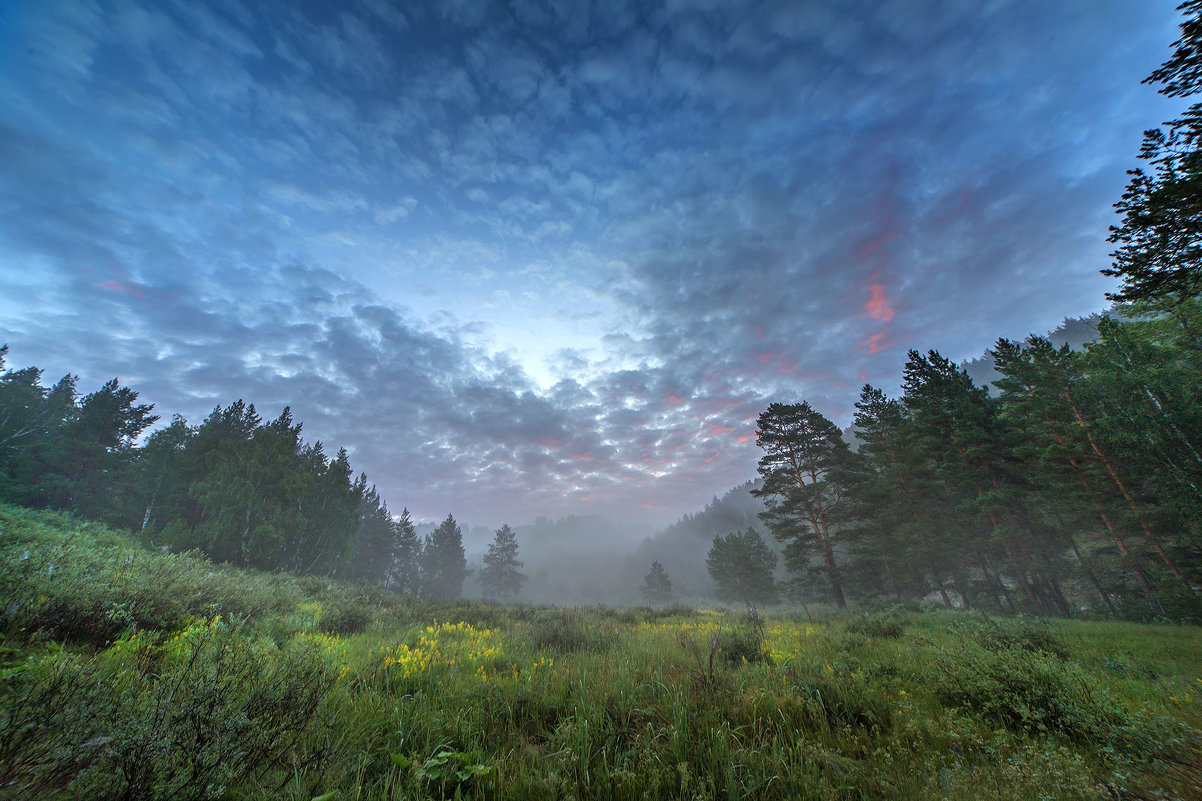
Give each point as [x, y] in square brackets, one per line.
[405, 568]
[803, 468]
[444, 565]
[376, 539]
[657, 585]
[741, 565]
[1159, 255]
[501, 577]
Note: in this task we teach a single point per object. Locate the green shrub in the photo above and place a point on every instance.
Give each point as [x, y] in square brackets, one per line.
[1034, 692]
[838, 701]
[183, 719]
[741, 644]
[884, 625]
[1022, 634]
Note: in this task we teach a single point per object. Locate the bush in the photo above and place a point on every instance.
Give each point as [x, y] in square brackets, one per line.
[1024, 635]
[837, 701]
[1034, 692]
[885, 626]
[85, 589]
[182, 719]
[741, 644]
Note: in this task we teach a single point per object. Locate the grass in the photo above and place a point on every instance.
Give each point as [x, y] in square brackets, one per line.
[127, 672]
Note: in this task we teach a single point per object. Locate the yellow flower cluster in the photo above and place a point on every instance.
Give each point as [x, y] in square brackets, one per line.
[198, 629]
[331, 646]
[784, 642]
[444, 645]
[135, 649]
[699, 627]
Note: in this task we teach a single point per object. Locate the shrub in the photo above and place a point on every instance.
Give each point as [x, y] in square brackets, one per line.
[1033, 692]
[837, 701]
[885, 626]
[740, 644]
[182, 719]
[1024, 635]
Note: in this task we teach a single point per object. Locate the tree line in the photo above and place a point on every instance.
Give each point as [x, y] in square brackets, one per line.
[1076, 480]
[237, 487]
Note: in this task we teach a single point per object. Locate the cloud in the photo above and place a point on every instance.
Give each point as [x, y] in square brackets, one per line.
[539, 259]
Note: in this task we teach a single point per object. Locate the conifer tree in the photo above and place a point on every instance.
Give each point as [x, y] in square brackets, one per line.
[1159, 255]
[405, 567]
[376, 538]
[500, 577]
[896, 524]
[657, 586]
[741, 565]
[804, 470]
[443, 563]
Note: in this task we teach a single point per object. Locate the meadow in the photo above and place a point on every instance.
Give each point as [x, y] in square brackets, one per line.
[130, 672]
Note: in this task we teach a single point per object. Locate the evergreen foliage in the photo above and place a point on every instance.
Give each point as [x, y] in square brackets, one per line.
[405, 569]
[804, 468]
[657, 585]
[501, 577]
[1159, 255]
[443, 563]
[239, 489]
[741, 565]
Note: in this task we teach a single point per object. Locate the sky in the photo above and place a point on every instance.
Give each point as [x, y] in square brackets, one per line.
[548, 258]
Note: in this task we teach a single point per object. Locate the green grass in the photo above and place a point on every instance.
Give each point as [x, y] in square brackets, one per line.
[127, 672]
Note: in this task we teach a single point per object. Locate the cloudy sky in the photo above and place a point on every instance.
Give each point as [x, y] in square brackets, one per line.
[537, 257]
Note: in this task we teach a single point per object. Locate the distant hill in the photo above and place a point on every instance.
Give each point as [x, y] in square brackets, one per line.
[1075, 331]
[682, 546]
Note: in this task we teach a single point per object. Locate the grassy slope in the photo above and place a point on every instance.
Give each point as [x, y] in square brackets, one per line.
[130, 672]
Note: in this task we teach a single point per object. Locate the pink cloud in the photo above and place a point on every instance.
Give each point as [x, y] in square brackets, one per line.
[877, 343]
[715, 430]
[877, 307]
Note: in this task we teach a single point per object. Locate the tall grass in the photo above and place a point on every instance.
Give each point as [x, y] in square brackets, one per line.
[127, 672]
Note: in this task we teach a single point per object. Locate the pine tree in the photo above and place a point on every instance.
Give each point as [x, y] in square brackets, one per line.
[895, 528]
[444, 565]
[500, 577]
[741, 565]
[248, 497]
[1159, 255]
[376, 538]
[657, 586]
[804, 464]
[405, 568]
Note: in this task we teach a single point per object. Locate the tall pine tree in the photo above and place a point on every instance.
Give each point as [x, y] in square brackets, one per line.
[501, 577]
[803, 467]
[444, 565]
